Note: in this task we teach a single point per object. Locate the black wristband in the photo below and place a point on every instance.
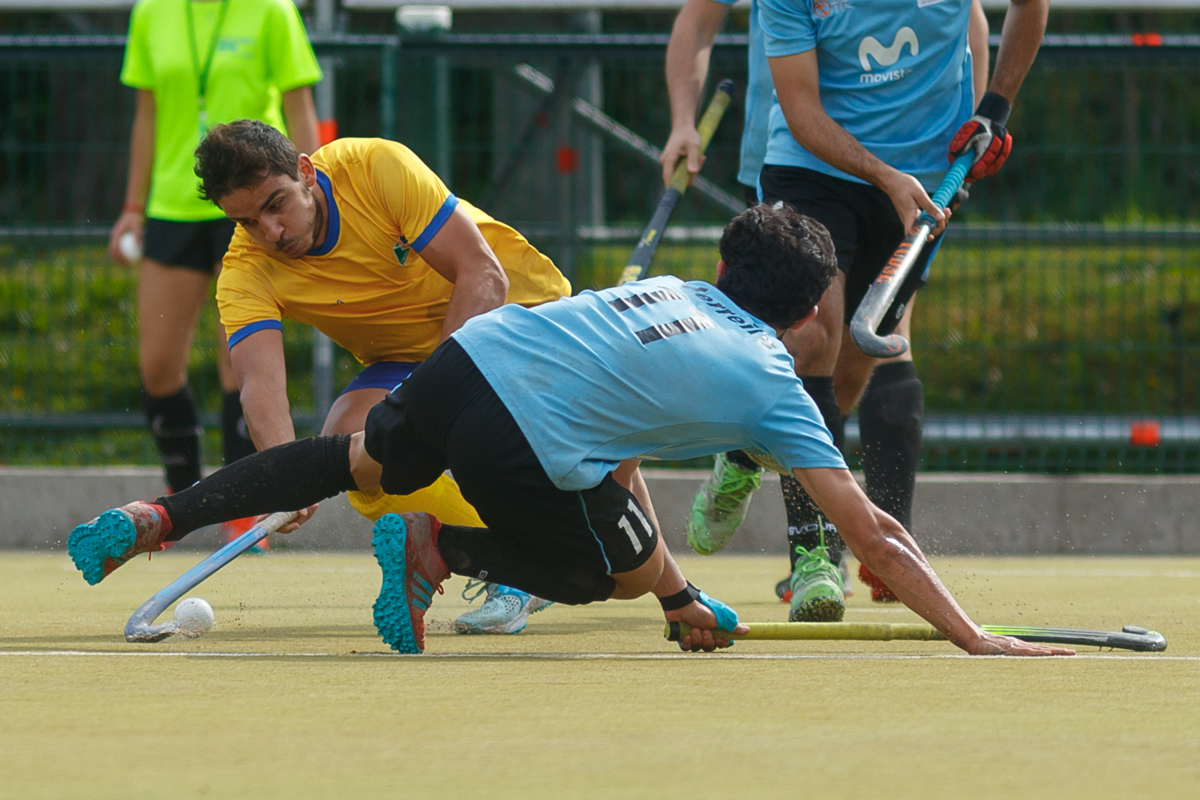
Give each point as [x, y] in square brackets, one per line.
[686, 597]
[994, 107]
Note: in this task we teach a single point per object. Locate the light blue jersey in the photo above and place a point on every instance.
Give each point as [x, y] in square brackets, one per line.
[653, 369]
[760, 94]
[896, 74]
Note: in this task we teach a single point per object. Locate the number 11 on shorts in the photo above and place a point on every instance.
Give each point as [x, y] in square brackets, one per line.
[624, 525]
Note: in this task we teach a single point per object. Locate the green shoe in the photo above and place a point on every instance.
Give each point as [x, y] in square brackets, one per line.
[720, 505]
[816, 588]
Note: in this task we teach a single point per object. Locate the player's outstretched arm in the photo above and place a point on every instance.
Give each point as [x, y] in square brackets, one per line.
[688, 51]
[886, 548]
[461, 255]
[137, 186]
[798, 89]
[261, 373]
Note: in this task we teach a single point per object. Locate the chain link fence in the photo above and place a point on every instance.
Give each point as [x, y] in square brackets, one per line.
[1059, 331]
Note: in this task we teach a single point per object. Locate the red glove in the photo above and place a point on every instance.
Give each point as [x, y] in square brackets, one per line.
[988, 122]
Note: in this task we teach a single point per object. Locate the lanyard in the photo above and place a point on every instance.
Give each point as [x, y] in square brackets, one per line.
[202, 72]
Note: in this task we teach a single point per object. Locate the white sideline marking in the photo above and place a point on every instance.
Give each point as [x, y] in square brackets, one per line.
[1052, 572]
[579, 656]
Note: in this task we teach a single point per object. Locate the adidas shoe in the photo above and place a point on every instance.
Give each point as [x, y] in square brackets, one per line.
[506, 610]
[721, 505]
[100, 546]
[816, 588]
[413, 571]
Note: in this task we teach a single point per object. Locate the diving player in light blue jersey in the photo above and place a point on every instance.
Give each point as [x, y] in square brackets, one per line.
[545, 444]
[891, 432]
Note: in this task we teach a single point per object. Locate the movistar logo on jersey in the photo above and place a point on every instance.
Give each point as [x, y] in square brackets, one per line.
[871, 48]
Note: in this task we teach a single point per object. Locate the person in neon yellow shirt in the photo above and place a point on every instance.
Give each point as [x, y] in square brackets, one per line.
[365, 243]
[195, 63]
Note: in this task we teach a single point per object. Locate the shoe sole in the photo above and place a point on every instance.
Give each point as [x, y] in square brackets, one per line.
[392, 618]
[470, 629]
[534, 605]
[110, 535]
[819, 609]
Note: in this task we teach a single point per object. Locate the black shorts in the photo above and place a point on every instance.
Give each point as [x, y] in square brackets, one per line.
[446, 415]
[865, 229]
[191, 245]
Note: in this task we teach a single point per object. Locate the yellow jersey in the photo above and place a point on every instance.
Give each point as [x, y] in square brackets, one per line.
[366, 286]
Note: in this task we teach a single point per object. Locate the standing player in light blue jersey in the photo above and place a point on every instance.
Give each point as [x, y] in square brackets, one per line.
[543, 415]
[868, 99]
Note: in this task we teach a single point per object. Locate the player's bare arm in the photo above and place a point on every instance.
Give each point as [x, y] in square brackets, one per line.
[460, 254]
[688, 52]
[977, 40]
[301, 117]
[886, 548]
[798, 90]
[670, 581]
[261, 372]
[137, 186]
[1019, 42]
[1020, 38]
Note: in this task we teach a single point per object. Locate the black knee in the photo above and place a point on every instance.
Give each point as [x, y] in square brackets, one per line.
[175, 423]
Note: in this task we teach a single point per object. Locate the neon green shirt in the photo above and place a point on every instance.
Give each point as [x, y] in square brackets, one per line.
[262, 52]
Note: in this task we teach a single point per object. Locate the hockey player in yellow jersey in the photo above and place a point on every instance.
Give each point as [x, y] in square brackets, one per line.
[365, 243]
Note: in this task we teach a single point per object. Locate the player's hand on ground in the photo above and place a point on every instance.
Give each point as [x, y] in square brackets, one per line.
[910, 199]
[305, 514]
[990, 644]
[703, 622]
[128, 222]
[684, 143]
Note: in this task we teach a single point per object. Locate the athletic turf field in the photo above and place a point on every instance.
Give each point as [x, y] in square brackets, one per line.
[291, 695]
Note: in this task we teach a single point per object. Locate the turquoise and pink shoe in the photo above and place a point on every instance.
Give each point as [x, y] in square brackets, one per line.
[100, 546]
[413, 571]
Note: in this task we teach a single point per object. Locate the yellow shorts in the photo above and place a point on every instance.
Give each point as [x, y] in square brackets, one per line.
[443, 499]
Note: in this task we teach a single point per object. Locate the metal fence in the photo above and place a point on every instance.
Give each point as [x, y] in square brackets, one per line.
[1059, 327]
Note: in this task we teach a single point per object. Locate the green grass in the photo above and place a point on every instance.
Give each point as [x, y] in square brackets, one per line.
[589, 701]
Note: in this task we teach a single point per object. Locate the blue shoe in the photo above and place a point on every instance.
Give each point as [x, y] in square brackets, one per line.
[100, 546]
[413, 571]
[506, 610]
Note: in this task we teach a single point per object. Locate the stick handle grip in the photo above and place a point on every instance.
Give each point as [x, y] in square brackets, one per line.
[643, 254]
[858, 631]
[885, 288]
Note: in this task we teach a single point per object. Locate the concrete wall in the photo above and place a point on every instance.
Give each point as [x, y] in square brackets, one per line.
[1004, 514]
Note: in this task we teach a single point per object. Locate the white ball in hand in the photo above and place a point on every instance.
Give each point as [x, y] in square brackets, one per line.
[194, 617]
[129, 247]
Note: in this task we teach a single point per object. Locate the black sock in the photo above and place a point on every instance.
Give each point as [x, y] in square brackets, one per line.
[889, 419]
[742, 460]
[234, 434]
[804, 518]
[486, 555]
[284, 478]
[175, 423]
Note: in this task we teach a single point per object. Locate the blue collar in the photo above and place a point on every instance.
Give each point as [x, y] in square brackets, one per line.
[333, 227]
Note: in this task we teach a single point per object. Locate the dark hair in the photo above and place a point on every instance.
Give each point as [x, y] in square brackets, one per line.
[239, 154]
[778, 263]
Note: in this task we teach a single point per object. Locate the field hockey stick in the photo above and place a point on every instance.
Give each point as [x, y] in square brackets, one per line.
[885, 288]
[639, 262]
[1131, 637]
[141, 627]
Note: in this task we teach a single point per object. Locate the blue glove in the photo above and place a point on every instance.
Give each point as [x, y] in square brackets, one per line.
[727, 618]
